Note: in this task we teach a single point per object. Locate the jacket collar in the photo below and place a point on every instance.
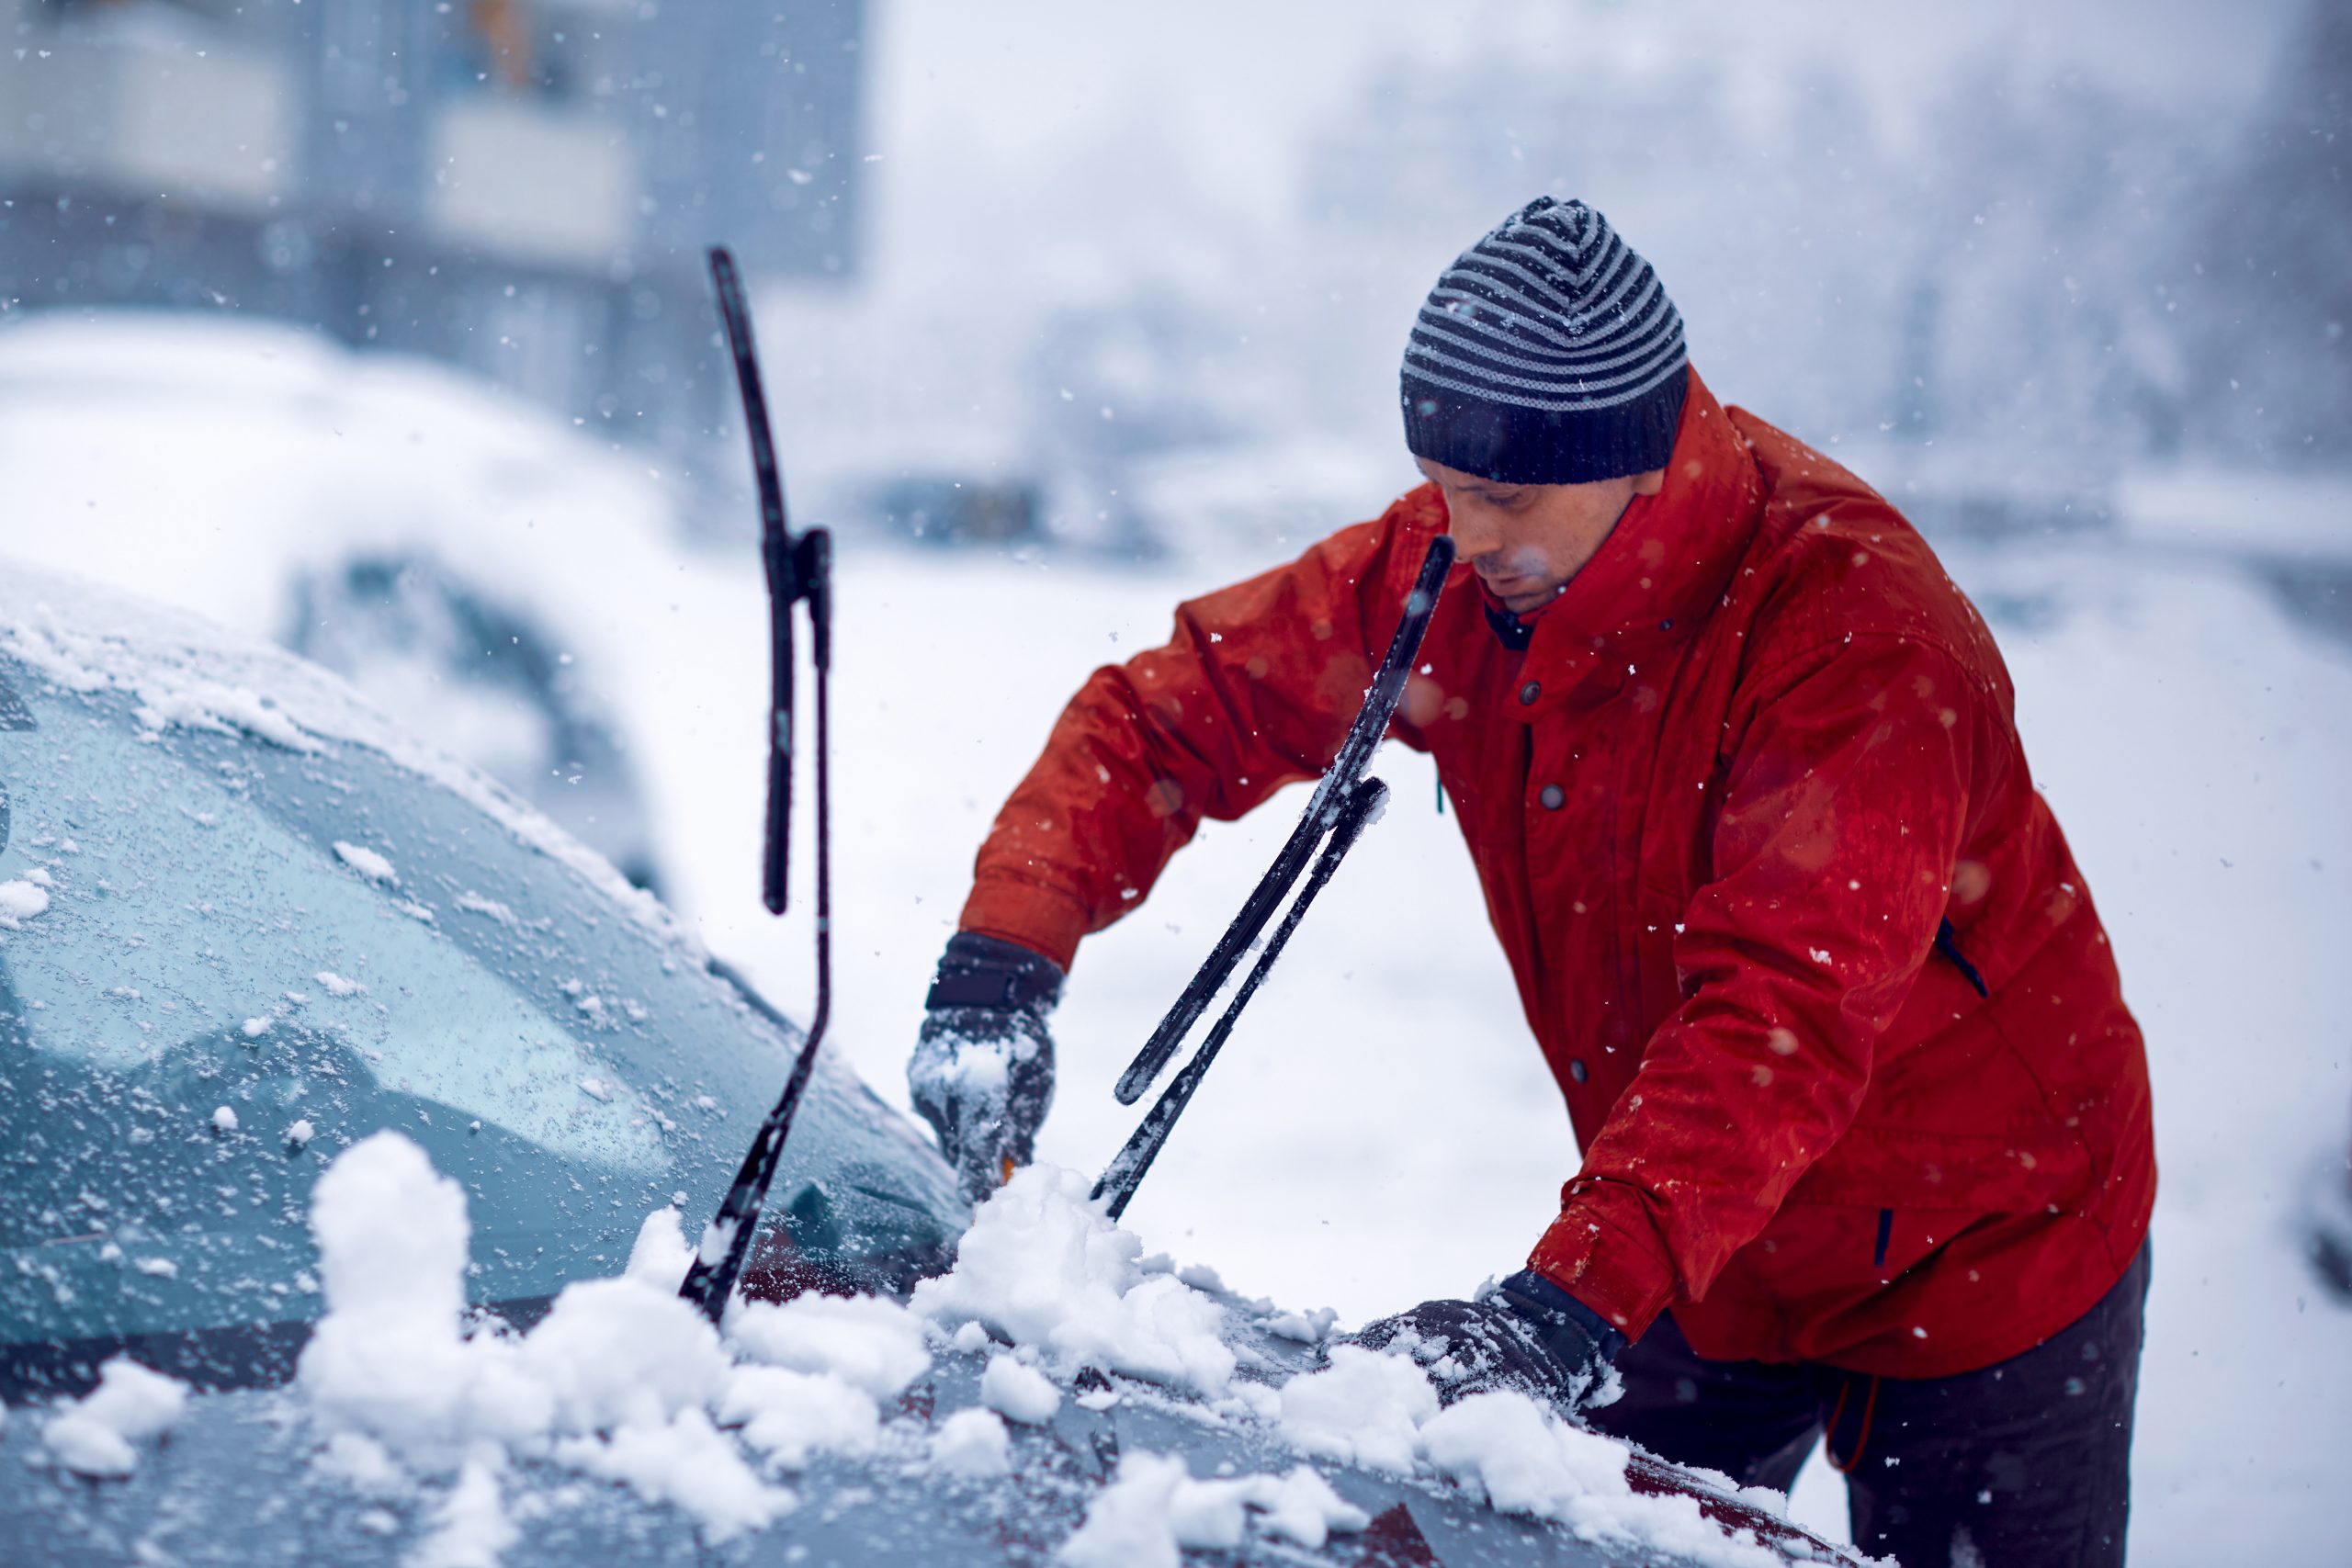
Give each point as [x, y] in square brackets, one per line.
[1515, 632]
[1668, 560]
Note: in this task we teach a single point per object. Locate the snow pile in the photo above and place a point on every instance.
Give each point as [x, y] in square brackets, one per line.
[622, 1380]
[1365, 1408]
[826, 1365]
[1044, 1268]
[793, 1417]
[1155, 1509]
[871, 1344]
[626, 1382]
[1524, 1459]
[131, 1404]
[1379, 1409]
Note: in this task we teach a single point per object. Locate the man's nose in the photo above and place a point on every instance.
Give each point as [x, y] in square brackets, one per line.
[1473, 533]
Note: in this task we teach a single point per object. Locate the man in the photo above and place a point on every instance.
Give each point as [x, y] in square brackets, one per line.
[1865, 1121]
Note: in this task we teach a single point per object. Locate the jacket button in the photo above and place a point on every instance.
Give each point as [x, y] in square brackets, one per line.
[1553, 796]
[1529, 693]
[1578, 1070]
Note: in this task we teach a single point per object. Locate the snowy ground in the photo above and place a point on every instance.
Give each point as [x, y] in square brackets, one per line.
[1382, 1129]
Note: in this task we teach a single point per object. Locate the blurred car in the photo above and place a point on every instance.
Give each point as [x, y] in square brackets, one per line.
[461, 556]
[938, 509]
[2328, 1224]
[244, 924]
[445, 654]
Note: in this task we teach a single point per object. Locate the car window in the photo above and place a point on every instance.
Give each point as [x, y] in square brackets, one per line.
[222, 961]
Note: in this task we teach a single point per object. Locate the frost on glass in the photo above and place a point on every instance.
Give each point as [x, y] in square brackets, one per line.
[321, 944]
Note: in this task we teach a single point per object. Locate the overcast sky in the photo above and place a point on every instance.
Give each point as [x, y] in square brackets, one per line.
[1235, 82]
[1031, 153]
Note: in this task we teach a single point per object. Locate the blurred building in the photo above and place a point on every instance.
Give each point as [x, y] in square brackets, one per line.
[522, 188]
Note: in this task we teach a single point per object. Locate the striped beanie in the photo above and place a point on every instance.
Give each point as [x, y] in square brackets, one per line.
[1548, 353]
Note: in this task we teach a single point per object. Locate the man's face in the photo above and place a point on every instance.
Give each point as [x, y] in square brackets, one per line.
[1526, 541]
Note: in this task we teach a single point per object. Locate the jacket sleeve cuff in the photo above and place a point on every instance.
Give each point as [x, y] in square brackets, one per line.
[1040, 918]
[1604, 1251]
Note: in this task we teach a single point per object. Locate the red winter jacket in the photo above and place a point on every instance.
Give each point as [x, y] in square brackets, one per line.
[1750, 762]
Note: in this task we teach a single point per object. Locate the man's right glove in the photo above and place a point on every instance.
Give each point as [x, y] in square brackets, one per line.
[982, 1074]
[1528, 1334]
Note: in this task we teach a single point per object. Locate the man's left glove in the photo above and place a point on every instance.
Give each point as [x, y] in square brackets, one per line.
[1528, 1334]
[982, 1073]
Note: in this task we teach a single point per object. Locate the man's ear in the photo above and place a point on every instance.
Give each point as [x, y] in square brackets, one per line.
[1649, 483]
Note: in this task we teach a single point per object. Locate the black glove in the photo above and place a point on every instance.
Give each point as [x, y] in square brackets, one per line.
[982, 1073]
[1529, 1334]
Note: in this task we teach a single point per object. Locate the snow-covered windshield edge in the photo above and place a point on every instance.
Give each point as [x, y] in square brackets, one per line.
[186, 673]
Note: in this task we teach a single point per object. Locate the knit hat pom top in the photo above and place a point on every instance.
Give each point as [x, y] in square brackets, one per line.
[1547, 353]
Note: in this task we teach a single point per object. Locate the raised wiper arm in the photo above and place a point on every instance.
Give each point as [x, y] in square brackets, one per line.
[1321, 815]
[799, 570]
[1343, 804]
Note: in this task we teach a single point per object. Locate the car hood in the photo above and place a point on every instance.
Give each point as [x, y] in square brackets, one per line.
[239, 1482]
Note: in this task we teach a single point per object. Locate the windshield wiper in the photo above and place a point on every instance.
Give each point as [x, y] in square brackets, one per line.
[798, 570]
[1343, 805]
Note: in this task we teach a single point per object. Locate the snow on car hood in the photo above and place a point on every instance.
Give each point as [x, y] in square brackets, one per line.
[474, 1430]
[185, 672]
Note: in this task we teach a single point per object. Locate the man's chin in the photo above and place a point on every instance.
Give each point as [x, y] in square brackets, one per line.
[1527, 604]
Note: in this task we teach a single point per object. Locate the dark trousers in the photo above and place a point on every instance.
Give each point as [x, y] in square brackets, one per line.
[2023, 1463]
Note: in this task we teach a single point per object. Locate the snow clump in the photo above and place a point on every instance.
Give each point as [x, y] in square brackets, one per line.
[1364, 1407]
[616, 1380]
[1022, 1393]
[1155, 1509]
[471, 1528]
[869, 1342]
[1380, 1410]
[490, 909]
[793, 1417]
[21, 900]
[972, 1446]
[367, 862]
[1042, 1267]
[131, 1404]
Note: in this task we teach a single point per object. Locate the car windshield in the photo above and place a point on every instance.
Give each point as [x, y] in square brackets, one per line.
[222, 961]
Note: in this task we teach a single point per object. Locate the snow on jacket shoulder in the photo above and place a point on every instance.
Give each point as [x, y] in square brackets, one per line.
[1754, 826]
